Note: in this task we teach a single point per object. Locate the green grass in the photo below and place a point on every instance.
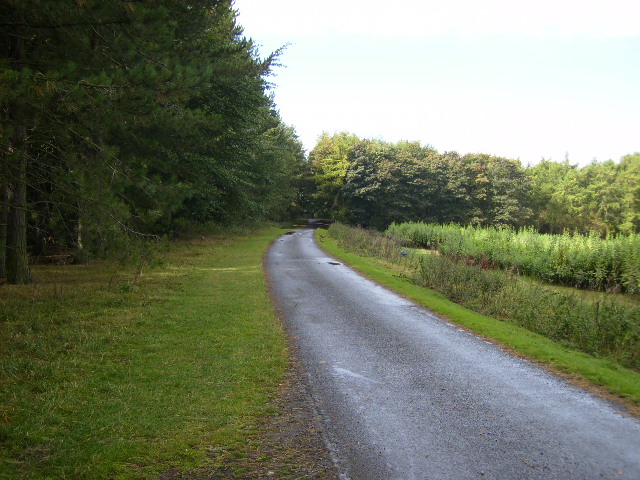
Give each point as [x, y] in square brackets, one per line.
[107, 375]
[588, 295]
[621, 382]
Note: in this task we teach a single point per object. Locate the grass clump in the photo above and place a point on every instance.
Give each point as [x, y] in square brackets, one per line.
[110, 373]
[541, 323]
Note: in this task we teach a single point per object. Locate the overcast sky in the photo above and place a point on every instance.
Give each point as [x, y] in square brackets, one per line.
[519, 79]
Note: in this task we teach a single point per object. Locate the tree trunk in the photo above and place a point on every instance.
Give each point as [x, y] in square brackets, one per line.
[4, 212]
[17, 257]
[81, 256]
[4, 199]
[17, 262]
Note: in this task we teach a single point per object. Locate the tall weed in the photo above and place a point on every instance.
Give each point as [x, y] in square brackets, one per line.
[582, 261]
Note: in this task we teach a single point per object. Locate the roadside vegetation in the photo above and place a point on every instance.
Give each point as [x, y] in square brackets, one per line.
[584, 261]
[594, 336]
[129, 372]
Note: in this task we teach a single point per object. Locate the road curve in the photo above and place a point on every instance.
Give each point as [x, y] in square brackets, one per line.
[403, 394]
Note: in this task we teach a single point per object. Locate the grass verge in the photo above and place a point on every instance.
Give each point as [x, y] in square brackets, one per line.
[604, 376]
[108, 374]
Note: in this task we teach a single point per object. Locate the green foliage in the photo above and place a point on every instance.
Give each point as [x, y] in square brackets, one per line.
[627, 182]
[384, 183]
[485, 190]
[369, 182]
[329, 162]
[138, 117]
[389, 183]
[584, 261]
[600, 197]
[374, 183]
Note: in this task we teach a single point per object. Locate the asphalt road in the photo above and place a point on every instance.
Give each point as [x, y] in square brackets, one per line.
[403, 394]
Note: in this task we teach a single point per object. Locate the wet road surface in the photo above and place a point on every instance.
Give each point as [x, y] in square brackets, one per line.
[403, 394]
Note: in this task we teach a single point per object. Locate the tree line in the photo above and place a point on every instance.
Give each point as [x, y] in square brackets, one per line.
[373, 183]
[132, 119]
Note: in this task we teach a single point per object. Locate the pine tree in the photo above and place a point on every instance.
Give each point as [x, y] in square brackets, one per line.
[123, 119]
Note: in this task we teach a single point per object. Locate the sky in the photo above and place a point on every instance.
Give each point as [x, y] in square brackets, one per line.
[519, 79]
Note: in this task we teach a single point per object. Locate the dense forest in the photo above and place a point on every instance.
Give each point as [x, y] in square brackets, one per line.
[125, 120]
[373, 183]
[122, 120]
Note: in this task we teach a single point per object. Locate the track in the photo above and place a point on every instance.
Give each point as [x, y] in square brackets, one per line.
[403, 394]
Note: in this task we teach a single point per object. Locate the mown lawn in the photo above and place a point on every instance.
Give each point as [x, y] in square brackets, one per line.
[105, 373]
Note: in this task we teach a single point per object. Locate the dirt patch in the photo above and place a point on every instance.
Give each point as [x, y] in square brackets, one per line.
[289, 444]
